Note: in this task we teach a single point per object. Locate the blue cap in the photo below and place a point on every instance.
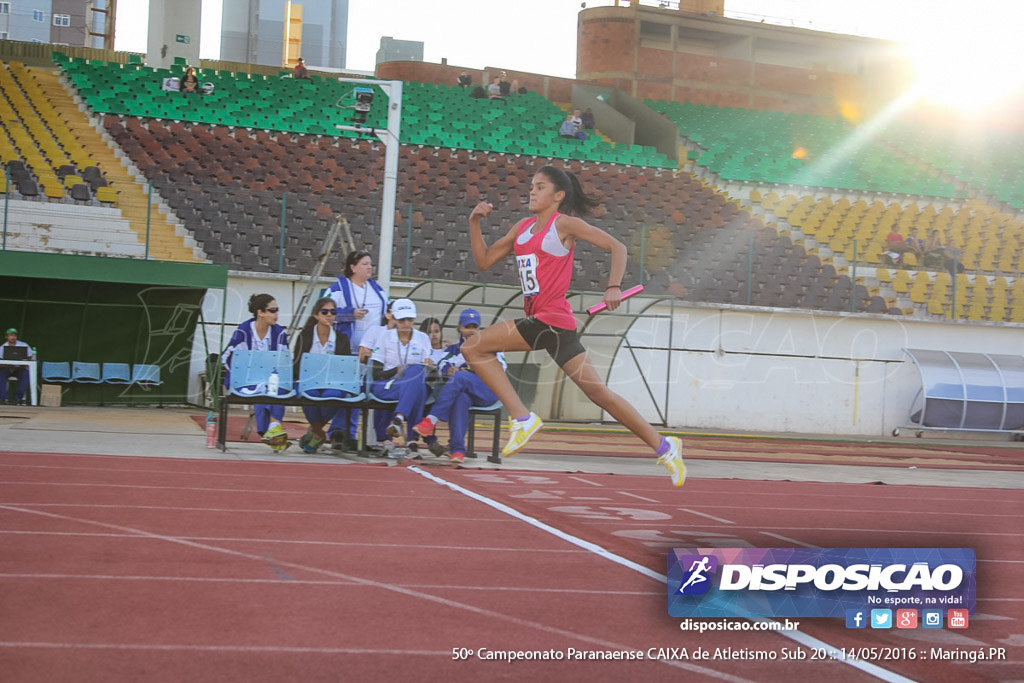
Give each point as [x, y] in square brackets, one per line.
[469, 317]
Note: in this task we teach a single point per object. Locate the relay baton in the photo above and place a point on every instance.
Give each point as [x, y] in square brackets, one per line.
[632, 291]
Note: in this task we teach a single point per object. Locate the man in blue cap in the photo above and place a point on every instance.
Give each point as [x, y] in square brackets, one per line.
[462, 390]
[19, 372]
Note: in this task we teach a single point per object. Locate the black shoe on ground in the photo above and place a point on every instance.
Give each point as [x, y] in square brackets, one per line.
[339, 442]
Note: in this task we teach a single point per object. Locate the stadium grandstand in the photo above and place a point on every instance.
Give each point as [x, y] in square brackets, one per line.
[765, 195]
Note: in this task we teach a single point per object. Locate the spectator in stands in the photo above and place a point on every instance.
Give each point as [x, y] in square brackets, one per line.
[935, 253]
[301, 72]
[462, 391]
[189, 83]
[465, 80]
[577, 118]
[478, 93]
[504, 85]
[587, 117]
[494, 90]
[914, 243]
[319, 336]
[895, 246]
[18, 372]
[570, 130]
[261, 333]
[399, 366]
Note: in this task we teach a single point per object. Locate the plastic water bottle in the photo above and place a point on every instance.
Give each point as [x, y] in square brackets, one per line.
[273, 383]
[211, 431]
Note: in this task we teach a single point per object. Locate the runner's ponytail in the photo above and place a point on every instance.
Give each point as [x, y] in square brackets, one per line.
[576, 201]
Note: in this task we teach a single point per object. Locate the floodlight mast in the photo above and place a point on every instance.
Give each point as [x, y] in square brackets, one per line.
[390, 137]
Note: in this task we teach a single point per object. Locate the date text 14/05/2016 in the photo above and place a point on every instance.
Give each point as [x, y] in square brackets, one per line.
[878, 654]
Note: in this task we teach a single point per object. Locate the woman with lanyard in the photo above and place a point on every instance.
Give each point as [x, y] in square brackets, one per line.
[318, 336]
[398, 367]
[261, 333]
[543, 246]
[361, 303]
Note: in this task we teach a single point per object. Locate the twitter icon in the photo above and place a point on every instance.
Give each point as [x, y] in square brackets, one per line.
[881, 618]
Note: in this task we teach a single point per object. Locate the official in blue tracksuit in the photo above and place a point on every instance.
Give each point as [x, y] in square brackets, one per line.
[462, 391]
[318, 336]
[361, 304]
[399, 367]
[261, 333]
[361, 301]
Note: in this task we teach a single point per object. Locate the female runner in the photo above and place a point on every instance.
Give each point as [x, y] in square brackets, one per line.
[543, 247]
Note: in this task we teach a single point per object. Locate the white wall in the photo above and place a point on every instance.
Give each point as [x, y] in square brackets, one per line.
[785, 371]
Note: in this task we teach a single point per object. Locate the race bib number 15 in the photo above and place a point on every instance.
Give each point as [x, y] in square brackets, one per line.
[528, 274]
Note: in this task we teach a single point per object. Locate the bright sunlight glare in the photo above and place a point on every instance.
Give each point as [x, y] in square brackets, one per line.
[971, 64]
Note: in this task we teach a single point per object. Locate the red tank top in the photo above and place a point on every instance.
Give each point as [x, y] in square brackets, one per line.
[545, 278]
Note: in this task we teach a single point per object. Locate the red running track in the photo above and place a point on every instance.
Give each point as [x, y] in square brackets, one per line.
[117, 569]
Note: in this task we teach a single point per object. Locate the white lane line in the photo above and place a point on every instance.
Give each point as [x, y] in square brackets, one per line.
[285, 541]
[633, 495]
[306, 582]
[741, 527]
[200, 489]
[587, 482]
[807, 641]
[445, 602]
[722, 520]
[789, 540]
[178, 508]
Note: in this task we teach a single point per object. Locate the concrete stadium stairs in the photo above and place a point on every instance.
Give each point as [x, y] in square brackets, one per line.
[166, 242]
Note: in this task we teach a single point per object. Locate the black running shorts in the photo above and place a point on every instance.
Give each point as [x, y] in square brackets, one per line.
[561, 344]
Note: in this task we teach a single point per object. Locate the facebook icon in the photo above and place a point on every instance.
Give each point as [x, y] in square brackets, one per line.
[856, 618]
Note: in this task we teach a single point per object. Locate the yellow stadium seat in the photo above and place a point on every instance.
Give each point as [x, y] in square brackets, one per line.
[106, 195]
[883, 275]
[936, 308]
[901, 282]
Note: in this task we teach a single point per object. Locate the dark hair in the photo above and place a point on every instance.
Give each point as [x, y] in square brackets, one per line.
[259, 302]
[576, 202]
[352, 259]
[310, 323]
[425, 326]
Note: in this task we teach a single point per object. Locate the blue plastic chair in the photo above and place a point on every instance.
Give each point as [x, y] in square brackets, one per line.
[327, 371]
[117, 373]
[54, 371]
[86, 373]
[146, 375]
[250, 371]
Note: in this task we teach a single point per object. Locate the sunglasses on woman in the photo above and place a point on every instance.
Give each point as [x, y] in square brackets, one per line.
[328, 311]
[271, 310]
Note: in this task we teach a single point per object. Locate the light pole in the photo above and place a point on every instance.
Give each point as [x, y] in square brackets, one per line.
[390, 138]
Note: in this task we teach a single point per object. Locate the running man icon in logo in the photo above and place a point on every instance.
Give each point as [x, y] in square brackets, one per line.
[696, 582]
